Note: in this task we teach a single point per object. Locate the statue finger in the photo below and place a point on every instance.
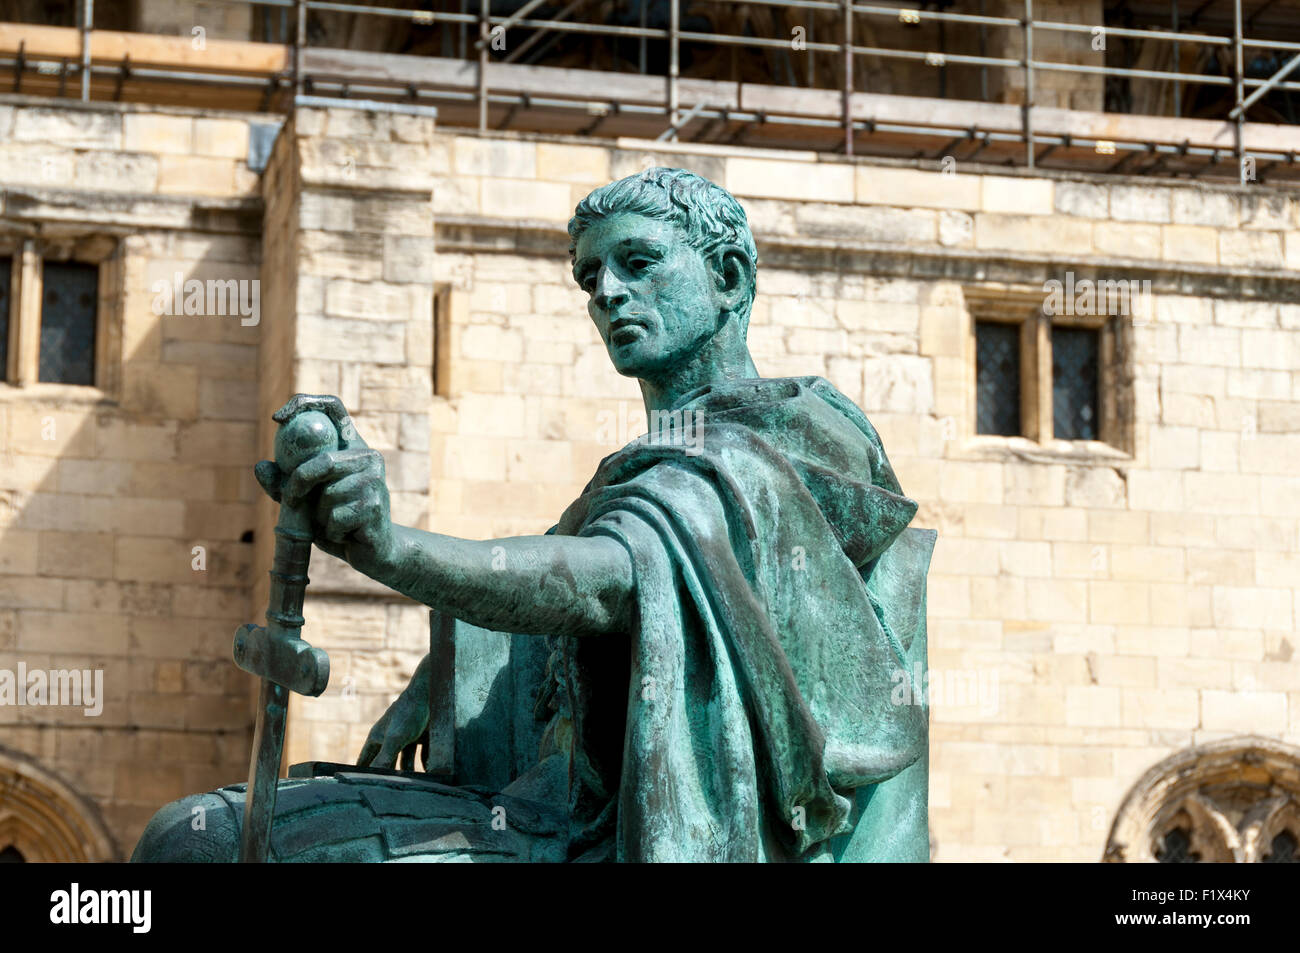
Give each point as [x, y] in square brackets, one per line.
[347, 490]
[324, 467]
[369, 750]
[387, 757]
[408, 756]
[342, 520]
[332, 408]
[270, 478]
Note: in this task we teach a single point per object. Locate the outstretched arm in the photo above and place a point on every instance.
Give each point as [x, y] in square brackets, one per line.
[556, 585]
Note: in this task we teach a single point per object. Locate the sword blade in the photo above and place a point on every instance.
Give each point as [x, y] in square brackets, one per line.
[264, 773]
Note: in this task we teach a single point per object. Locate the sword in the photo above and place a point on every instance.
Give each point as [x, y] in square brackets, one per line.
[275, 653]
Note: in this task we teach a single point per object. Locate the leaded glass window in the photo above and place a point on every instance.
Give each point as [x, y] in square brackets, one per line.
[69, 304]
[1283, 850]
[1075, 353]
[1176, 848]
[997, 378]
[6, 277]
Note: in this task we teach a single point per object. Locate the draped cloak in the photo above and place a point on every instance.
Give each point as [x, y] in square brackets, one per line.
[754, 705]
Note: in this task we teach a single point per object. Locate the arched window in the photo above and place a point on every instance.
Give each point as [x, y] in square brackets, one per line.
[42, 819]
[1231, 801]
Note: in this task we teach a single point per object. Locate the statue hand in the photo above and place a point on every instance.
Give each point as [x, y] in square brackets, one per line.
[351, 517]
[402, 728]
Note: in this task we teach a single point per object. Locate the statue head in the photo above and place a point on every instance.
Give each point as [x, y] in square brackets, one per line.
[669, 266]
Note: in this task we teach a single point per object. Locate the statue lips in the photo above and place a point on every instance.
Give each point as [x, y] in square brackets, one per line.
[625, 331]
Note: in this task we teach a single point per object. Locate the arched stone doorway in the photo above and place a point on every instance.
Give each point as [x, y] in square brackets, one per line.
[1230, 801]
[43, 820]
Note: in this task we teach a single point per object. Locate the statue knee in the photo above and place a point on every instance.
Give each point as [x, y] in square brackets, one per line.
[201, 828]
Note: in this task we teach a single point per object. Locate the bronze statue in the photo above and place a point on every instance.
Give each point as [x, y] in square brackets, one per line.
[729, 605]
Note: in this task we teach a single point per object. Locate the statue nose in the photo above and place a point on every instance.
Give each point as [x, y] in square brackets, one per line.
[610, 292]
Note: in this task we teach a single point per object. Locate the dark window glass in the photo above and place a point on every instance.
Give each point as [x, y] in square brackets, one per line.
[68, 306]
[1176, 848]
[1284, 850]
[1074, 383]
[997, 378]
[6, 276]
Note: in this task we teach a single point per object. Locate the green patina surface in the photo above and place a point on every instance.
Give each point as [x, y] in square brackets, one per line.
[702, 660]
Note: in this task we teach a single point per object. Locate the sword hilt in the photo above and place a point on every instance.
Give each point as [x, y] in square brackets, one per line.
[275, 652]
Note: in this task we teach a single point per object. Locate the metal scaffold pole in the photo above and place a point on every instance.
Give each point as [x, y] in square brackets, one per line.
[848, 77]
[1029, 83]
[299, 41]
[674, 63]
[87, 24]
[1239, 75]
[485, 10]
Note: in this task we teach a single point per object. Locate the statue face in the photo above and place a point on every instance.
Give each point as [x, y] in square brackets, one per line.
[653, 297]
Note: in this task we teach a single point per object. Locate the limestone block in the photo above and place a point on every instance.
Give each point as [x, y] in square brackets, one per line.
[1027, 233]
[148, 132]
[1092, 706]
[525, 199]
[1266, 210]
[915, 188]
[585, 165]
[1278, 350]
[1252, 607]
[1175, 448]
[787, 179]
[115, 171]
[1172, 708]
[498, 158]
[1017, 195]
[226, 138]
[1251, 249]
[1254, 712]
[1118, 603]
[82, 129]
[1189, 243]
[869, 224]
[956, 229]
[196, 175]
[1056, 600]
[1082, 199]
[898, 384]
[1091, 487]
[1140, 203]
[1202, 206]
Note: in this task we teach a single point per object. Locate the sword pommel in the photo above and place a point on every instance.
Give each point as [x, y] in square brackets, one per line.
[303, 436]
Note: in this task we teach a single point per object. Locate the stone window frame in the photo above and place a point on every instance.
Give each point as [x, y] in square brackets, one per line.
[1231, 796]
[1022, 305]
[29, 253]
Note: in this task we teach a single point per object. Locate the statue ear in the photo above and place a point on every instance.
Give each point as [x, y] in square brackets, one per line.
[734, 272]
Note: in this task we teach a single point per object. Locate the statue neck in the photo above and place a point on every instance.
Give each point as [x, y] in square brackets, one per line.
[724, 357]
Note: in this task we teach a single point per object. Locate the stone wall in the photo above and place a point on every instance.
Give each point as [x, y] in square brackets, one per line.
[105, 492]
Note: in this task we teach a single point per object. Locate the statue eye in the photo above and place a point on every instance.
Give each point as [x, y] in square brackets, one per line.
[637, 263]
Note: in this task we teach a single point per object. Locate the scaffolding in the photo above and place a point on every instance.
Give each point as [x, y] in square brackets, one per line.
[302, 70]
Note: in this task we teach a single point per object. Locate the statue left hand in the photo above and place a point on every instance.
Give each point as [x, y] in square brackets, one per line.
[402, 728]
[351, 517]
